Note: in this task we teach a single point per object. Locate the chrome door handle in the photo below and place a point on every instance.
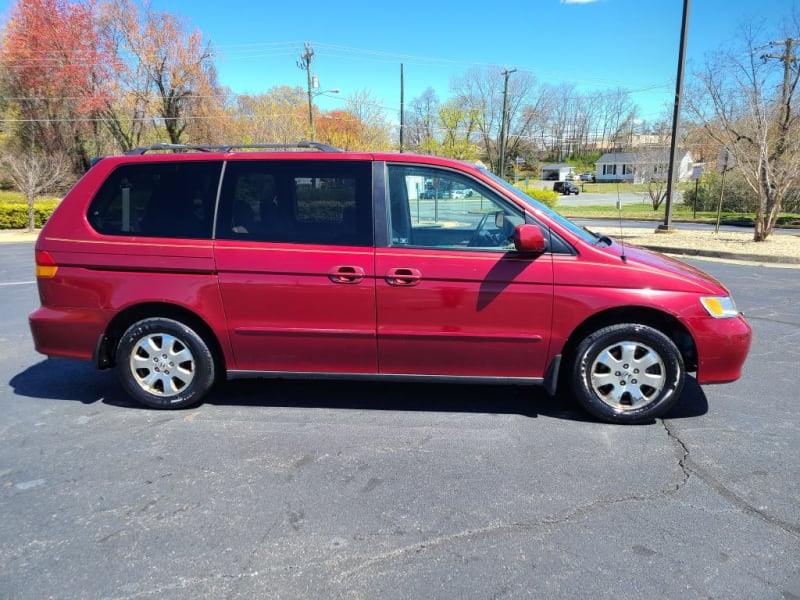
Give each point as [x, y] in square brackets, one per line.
[403, 276]
[346, 274]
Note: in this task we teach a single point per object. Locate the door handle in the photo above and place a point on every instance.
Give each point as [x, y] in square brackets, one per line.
[346, 274]
[403, 276]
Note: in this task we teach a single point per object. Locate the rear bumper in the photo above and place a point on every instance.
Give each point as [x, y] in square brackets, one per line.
[67, 332]
[722, 347]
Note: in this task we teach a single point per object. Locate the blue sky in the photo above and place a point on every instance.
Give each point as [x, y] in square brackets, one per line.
[595, 44]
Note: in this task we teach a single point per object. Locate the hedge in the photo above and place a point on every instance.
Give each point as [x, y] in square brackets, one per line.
[14, 215]
[548, 197]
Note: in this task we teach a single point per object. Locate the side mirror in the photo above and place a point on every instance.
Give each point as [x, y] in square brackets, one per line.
[529, 238]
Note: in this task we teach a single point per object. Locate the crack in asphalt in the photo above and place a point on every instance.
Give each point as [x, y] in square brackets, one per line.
[689, 467]
[557, 519]
[682, 449]
[686, 466]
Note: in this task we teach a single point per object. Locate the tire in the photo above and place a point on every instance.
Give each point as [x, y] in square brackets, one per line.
[163, 363]
[627, 373]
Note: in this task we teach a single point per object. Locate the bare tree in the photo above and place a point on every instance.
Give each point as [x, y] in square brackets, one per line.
[35, 174]
[421, 124]
[482, 92]
[617, 108]
[747, 101]
[374, 130]
[651, 167]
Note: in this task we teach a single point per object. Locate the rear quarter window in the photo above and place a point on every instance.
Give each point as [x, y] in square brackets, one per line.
[160, 199]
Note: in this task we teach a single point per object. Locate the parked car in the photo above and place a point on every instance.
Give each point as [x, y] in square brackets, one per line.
[566, 188]
[181, 270]
[590, 177]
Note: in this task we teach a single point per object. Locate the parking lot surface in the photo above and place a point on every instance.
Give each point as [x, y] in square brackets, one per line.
[303, 489]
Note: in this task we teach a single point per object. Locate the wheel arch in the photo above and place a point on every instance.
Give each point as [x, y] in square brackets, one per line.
[642, 315]
[105, 353]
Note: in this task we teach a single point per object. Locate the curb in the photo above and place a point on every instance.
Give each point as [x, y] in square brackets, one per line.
[787, 260]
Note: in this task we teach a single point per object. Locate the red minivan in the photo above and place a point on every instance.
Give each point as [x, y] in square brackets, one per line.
[182, 269]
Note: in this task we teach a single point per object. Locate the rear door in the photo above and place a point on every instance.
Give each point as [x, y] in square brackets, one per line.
[296, 265]
[453, 296]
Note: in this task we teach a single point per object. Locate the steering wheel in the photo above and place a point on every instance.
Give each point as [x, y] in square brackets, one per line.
[492, 235]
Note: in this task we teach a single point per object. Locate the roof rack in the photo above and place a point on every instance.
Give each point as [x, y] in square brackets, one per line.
[233, 147]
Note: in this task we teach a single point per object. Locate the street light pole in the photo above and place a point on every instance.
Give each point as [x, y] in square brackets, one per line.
[676, 118]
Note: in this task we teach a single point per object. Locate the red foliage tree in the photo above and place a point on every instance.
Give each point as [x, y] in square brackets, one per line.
[54, 63]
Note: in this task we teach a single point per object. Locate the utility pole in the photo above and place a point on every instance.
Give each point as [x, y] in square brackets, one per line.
[788, 58]
[402, 108]
[676, 119]
[502, 162]
[305, 64]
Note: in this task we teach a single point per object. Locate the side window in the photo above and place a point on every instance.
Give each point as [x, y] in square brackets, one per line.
[159, 199]
[438, 208]
[297, 201]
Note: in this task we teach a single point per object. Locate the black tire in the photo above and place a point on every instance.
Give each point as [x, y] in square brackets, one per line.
[627, 373]
[162, 363]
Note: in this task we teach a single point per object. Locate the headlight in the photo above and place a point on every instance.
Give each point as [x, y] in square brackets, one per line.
[719, 307]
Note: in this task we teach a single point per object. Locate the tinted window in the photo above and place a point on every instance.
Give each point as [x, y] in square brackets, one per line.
[297, 201]
[163, 199]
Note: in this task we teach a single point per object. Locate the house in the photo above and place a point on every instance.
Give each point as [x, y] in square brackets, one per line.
[557, 172]
[640, 167]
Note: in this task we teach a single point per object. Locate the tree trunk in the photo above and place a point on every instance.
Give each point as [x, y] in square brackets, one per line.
[31, 214]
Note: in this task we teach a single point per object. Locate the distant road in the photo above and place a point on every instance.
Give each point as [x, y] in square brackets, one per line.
[605, 199]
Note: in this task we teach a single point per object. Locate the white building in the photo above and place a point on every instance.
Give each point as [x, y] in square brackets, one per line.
[640, 167]
[557, 172]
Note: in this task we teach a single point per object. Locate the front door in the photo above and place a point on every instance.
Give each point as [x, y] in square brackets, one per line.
[453, 296]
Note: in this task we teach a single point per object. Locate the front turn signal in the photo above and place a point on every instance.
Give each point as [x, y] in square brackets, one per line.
[719, 307]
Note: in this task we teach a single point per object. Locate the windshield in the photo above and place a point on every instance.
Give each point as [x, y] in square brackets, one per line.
[581, 232]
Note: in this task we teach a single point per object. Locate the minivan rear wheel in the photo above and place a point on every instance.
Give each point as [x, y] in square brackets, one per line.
[163, 363]
[627, 373]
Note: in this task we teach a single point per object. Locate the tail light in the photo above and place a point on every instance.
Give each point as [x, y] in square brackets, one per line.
[46, 267]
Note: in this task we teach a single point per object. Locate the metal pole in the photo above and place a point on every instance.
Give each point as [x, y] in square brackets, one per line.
[676, 117]
[719, 206]
[310, 106]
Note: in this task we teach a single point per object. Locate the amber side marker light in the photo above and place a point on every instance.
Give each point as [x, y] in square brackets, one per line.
[46, 267]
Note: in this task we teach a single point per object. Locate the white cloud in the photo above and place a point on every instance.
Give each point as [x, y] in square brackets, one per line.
[578, 1]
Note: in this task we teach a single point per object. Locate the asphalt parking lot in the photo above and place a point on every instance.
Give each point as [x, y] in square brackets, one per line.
[301, 489]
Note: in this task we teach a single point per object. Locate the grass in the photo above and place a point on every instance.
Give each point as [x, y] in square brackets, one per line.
[680, 213]
[9, 197]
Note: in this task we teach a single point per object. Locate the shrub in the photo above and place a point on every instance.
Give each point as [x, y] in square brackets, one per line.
[548, 197]
[14, 215]
[737, 196]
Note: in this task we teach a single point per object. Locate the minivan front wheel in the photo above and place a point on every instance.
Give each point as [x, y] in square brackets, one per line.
[163, 363]
[627, 373]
